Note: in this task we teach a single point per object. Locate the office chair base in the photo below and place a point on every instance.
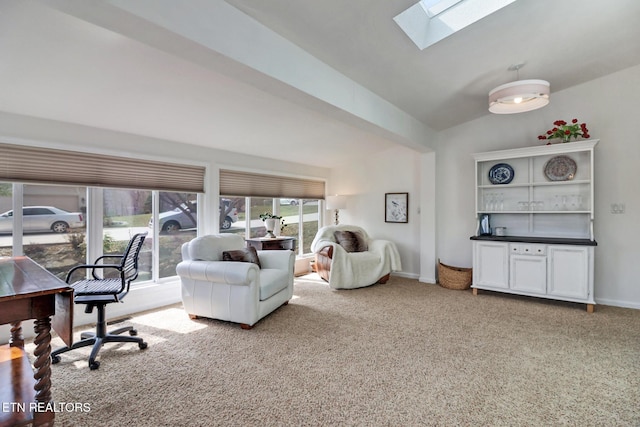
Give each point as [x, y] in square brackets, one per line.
[91, 339]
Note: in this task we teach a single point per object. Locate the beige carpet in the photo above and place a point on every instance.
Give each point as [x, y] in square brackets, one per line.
[398, 354]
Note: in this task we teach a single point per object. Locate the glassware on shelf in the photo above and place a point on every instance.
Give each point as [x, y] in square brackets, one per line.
[576, 202]
[493, 201]
[573, 203]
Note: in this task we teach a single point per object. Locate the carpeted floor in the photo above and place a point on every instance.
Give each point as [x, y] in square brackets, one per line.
[399, 354]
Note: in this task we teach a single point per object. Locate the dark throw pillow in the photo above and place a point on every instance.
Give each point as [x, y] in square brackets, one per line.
[242, 255]
[351, 241]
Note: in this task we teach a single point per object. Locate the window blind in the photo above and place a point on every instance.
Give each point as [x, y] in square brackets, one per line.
[39, 165]
[245, 184]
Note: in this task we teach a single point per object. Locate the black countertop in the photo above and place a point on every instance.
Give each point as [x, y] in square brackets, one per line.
[535, 239]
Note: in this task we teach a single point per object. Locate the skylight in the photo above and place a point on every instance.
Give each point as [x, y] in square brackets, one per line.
[436, 7]
[429, 21]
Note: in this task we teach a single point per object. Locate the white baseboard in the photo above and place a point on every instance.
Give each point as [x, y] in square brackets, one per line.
[405, 275]
[430, 280]
[618, 303]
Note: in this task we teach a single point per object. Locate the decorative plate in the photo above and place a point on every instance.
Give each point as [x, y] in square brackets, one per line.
[560, 168]
[501, 173]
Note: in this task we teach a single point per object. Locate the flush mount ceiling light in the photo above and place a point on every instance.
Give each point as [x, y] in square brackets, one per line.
[519, 96]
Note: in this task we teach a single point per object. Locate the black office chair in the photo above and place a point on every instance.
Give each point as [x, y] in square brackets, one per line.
[100, 291]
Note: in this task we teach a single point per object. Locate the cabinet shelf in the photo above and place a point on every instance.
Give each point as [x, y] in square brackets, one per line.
[560, 183]
[548, 248]
[531, 203]
[535, 184]
[517, 212]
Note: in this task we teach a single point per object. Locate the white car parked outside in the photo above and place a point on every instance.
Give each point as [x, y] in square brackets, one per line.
[43, 219]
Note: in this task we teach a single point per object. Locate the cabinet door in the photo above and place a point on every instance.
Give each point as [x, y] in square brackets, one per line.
[528, 273]
[491, 264]
[569, 271]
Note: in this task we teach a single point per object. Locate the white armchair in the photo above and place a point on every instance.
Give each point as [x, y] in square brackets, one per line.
[240, 292]
[347, 257]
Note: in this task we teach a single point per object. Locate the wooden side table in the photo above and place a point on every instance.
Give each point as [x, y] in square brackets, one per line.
[272, 244]
[28, 291]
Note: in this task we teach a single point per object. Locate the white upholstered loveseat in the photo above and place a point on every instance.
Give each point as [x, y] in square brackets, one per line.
[240, 292]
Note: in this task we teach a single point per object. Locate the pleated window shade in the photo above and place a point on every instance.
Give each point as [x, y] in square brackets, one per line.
[27, 164]
[245, 184]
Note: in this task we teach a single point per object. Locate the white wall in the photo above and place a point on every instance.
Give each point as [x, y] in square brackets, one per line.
[610, 107]
[16, 128]
[365, 182]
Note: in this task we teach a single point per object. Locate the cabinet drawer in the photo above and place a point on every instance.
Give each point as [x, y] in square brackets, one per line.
[528, 249]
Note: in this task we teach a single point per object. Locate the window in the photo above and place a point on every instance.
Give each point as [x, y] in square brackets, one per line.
[116, 196]
[6, 215]
[126, 213]
[178, 224]
[296, 200]
[232, 215]
[311, 221]
[53, 230]
[300, 218]
[53, 226]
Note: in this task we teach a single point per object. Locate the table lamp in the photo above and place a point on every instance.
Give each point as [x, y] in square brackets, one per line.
[336, 203]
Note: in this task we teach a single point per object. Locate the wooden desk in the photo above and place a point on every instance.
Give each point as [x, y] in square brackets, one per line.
[274, 243]
[28, 291]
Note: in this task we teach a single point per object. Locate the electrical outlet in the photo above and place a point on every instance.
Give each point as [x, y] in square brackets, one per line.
[617, 208]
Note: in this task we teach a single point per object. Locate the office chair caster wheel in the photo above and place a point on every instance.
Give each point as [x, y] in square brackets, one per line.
[55, 359]
[94, 365]
[142, 345]
[133, 332]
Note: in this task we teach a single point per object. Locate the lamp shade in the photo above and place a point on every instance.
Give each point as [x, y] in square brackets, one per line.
[519, 96]
[336, 202]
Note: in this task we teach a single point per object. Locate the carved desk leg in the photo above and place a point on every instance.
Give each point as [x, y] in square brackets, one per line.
[42, 375]
[16, 340]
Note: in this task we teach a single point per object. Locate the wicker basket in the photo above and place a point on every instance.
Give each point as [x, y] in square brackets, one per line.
[453, 277]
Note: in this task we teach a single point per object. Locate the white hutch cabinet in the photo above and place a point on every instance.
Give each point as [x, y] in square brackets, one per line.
[541, 199]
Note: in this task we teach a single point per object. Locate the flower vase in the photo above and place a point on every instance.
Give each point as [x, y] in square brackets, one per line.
[271, 225]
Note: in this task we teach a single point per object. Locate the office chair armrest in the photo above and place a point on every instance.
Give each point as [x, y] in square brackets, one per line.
[108, 256]
[93, 269]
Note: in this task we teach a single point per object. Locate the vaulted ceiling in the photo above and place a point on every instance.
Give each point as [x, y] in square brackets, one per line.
[300, 74]
[566, 42]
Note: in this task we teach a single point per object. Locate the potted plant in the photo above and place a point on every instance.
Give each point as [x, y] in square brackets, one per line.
[565, 131]
[271, 221]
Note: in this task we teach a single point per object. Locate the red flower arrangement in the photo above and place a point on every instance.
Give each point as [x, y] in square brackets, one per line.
[566, 131]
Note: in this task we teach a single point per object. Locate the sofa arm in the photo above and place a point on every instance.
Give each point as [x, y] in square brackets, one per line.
[231, 273]
[378, 245]
[279, 260]
[323, 262]
[327, 251]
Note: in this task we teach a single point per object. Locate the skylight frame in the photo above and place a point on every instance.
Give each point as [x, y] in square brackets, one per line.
[429, 21]
[436, 7]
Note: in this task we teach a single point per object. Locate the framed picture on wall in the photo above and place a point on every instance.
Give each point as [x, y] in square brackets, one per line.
[396, 207]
